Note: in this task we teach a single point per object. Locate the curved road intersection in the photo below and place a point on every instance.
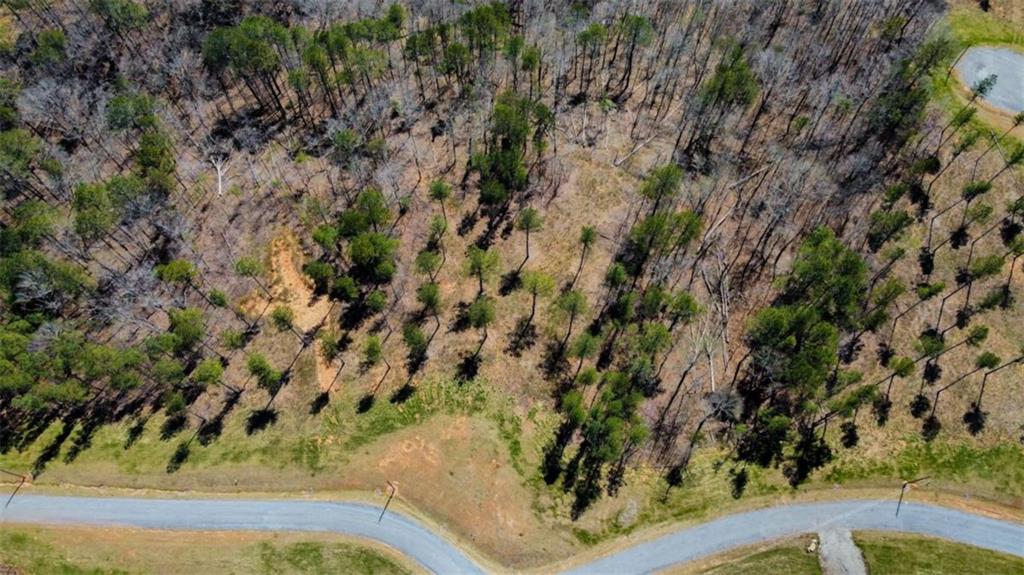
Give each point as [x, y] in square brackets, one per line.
[439, 555]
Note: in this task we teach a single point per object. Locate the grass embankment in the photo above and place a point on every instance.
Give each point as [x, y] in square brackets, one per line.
[297, 444]
[80, 551]
[896, 553]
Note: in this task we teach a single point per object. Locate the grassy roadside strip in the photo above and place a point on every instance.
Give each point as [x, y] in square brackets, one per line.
[904, 553]
[72, 550]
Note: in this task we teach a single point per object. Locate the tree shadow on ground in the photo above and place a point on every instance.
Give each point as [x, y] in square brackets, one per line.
[366, 403]
[52, 449]
[522, 337]
[461, 321]
[83, 438]
[975, 418]
[21, 438]
[322, 400]
[355, 314]
[487, 237]
[179, 457]
[402, 394]
[849, 352]
[135, 432]
[467, 223]
[211, 430]
[172, 426]
[468, 368]
[414, 360]
[510, 282]
[554, 364]
[260, 419]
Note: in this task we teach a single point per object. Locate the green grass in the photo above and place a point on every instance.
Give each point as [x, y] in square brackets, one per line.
[971, 26]
[297, 445]
[894, 553]
[56, 551]
[705, 490]
[999, 468]
[789, 559]
[510, 430]
[8, 35]
[386, 417]
[317, 558]
[23, 551]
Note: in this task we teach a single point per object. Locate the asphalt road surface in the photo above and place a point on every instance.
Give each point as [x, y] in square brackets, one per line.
[1008, 65]
[408, 536]
[438, 554]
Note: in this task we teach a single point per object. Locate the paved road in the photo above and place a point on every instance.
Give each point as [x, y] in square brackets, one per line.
[440, 556]
[755, 526]
[406, 535]
[1008, 65]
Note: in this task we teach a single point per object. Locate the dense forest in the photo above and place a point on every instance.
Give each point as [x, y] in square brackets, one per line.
[748, 284]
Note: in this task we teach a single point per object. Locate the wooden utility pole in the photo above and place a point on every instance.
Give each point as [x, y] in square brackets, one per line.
[390, 497]
[22, 480]
[903, 491]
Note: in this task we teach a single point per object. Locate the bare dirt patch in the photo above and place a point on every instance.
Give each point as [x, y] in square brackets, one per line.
[290, 286]
[456, 467]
